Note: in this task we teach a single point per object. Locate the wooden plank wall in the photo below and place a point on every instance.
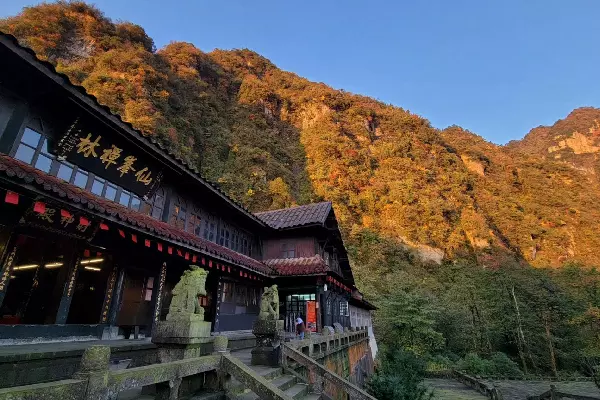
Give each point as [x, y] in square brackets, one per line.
[305, 247]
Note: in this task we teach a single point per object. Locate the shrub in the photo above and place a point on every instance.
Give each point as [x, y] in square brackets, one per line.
[439, 363]
[499, 364]
[504, 366]
[399, 377]
[472, 364]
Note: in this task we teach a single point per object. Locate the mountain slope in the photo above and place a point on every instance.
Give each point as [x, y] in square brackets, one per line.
[273, 139]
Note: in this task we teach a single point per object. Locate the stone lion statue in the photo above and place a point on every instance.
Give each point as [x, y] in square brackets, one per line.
[184, 304]
[269, 304]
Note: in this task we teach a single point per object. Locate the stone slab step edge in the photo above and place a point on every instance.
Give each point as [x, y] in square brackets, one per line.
[208, 396]
[297, 391]
[284, 382]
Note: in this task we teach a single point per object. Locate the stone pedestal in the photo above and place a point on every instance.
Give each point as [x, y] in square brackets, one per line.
[178, 339]
[176, 329]
[268, 342]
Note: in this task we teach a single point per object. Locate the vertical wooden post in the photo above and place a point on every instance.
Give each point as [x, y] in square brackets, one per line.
[158, 290]
[9, 260]
[117, 296]
[108, 295]
[320, 306]
[218, 304]
[68, 289]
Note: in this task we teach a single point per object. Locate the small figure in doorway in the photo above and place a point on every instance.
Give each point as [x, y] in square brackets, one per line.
[300, 328]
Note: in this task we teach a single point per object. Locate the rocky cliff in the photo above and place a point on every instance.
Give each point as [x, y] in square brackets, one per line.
[273, 139]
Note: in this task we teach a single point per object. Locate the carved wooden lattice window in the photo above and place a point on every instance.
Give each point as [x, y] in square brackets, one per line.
[210, 228]
[288, 250]
[194, 221]
[33, 149]
[227, 294]
[156, 205]
[225, 237]
[235, 240]
[179, 213]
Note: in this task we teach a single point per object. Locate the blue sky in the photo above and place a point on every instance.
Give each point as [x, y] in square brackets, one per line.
[497, 68]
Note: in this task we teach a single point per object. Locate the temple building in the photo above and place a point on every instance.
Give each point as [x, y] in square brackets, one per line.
[98, 223]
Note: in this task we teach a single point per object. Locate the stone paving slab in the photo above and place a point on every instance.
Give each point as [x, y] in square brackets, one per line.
[450, 389]
[519, 390]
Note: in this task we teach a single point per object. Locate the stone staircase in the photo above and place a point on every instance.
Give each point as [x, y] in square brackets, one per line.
[289, 384]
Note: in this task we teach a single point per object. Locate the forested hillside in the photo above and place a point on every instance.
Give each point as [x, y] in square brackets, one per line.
[443, 227]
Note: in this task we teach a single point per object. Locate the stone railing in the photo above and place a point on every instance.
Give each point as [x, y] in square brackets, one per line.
[490, 391]
[554, 394]
[319, 377]
[259, 385]
[319, 346]
[94, 380]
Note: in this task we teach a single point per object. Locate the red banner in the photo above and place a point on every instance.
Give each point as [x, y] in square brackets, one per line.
[311, 316]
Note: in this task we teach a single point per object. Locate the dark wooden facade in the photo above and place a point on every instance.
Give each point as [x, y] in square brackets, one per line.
[98, 222]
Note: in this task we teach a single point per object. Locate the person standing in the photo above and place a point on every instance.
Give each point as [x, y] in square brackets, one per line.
[300, 328]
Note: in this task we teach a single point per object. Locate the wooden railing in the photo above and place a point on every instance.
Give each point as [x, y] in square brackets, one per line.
[554, 394]
[491, 392]
[319, 376]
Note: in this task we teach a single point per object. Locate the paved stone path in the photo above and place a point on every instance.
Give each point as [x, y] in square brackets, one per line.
[450, 389]
[519, 390]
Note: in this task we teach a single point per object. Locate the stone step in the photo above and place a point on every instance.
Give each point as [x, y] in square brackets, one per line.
[284, 382]
[268, 373]
[247, 396]
[312, 396]
[208, 396]
[297, 391]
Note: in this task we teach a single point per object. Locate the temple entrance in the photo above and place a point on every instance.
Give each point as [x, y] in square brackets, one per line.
[89, 289]
[37, 280]
[297, 306]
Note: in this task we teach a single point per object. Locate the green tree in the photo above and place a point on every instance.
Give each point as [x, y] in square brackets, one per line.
[407, 320]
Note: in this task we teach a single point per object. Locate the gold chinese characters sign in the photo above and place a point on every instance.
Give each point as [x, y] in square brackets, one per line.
[55, 219]
[109, 158]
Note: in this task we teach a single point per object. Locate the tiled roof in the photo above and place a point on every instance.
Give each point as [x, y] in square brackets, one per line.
[148, 141]
[17, 170]
[309, 214]
[298, 266]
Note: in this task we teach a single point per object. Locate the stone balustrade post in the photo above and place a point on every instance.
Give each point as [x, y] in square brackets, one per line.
[168, 390]
[220, 345]
[315, 380]
[94, 370]
[220, 379]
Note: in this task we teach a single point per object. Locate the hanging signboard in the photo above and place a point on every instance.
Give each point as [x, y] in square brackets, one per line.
[311, 316]
[109, 158]
[55, 219]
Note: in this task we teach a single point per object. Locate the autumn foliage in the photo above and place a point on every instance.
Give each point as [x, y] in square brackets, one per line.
[272, 139]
